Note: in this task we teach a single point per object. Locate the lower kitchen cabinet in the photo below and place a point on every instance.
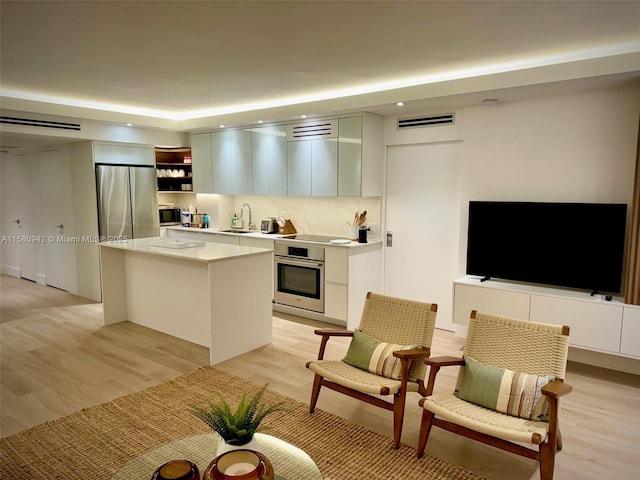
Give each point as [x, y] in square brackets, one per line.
[349, 274]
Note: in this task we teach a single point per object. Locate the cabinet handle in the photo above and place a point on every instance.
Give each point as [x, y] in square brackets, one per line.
[61, 226]
[17, 220]
[389, 238]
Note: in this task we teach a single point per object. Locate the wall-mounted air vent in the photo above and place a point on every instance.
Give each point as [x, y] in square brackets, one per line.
[426, 121]
[30, 122]
[312, 130]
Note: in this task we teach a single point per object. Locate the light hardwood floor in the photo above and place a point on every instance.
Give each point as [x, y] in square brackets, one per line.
[56, 358]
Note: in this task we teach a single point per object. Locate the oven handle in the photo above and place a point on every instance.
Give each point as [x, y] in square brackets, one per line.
[299, 263]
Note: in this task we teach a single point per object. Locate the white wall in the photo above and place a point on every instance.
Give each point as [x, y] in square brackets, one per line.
[572, 148]
[567, 147]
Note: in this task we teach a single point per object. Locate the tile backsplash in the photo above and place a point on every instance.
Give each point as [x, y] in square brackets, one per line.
[317, 215]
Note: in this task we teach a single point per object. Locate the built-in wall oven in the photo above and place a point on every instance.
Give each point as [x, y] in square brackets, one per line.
[299, 276]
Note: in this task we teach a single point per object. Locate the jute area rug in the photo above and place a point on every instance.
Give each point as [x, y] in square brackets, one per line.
[98, 441]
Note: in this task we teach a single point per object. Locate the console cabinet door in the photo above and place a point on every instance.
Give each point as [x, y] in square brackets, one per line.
[498, 302]
[593, 325]
[630, 340]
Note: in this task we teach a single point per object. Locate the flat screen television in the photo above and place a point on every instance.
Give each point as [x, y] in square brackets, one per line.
[576, 245]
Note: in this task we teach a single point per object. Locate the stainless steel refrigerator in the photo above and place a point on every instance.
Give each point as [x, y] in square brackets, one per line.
[127, 202]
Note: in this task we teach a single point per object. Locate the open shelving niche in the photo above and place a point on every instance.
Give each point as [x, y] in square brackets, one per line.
[174, 160]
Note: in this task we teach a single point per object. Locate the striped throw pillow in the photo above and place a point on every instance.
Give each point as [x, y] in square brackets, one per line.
[371, 354]
[514, 393]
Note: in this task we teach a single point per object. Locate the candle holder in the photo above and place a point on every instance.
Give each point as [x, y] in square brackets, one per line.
[240, 465]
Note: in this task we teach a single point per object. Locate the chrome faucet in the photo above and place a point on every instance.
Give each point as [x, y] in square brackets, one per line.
[251, 224]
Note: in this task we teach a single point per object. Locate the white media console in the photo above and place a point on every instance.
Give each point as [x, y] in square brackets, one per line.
[610, 327]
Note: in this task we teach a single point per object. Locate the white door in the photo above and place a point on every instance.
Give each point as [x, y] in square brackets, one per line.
[56, 217]
[19, 252]
[423, 216]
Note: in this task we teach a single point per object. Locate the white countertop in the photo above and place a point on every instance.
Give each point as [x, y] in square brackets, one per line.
[209, 252]
[273, 236]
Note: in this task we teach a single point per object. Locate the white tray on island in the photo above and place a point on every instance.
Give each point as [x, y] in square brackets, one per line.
[177, 243]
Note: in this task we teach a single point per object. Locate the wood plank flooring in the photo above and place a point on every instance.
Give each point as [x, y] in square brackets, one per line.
[56, 358]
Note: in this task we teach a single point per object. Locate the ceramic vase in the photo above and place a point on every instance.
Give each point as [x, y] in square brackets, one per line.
[224, 447]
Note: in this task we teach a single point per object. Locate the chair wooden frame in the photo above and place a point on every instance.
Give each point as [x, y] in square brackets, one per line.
[407, 378]
[547, 447]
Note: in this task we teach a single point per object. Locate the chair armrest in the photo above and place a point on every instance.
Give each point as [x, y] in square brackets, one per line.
[434, 367]
[412, 354]
[444, 361]
[556, 389]
[326, 335]
[334, 333]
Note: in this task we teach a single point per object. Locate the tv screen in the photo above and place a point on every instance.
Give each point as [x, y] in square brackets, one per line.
[577, 245]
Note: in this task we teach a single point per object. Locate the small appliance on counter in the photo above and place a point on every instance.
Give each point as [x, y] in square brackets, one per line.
[169, 215]
[269, 225]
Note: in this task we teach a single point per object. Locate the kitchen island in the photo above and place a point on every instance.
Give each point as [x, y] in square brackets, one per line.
[214, 295]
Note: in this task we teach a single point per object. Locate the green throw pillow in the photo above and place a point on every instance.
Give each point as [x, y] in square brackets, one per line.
[505, 391]
[371, 354]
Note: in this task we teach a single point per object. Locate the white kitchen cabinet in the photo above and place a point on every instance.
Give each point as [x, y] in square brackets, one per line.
[124, 154]
[312, 167]
[269, 156]
[324, 167]
[349, 274]
[184, 234]
[360, 155]
[231, 162]
[201, 163]
[630, 339]
[595, 324]
[250, 241]
[299, 168]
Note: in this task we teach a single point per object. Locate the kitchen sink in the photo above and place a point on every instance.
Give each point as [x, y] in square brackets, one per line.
[238, 231]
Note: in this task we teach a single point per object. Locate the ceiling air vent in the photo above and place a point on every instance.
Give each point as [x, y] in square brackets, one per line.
[312, 130]
[426, 121]
[29, 122]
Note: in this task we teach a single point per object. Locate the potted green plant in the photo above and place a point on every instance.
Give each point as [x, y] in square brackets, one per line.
[236, 428]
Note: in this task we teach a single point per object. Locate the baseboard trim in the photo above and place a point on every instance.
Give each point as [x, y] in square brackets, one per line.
[11, 271]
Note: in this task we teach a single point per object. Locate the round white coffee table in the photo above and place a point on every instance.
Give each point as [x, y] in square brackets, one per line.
[289, 462]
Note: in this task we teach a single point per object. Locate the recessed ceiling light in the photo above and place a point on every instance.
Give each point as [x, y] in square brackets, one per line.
[221, 126]
[129, 124]
[303, 116]
[400, 104]
[260, 121]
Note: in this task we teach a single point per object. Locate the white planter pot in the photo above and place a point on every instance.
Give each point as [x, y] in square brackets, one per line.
[224, 447]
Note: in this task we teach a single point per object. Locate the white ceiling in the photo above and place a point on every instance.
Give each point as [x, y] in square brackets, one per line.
[188, 65]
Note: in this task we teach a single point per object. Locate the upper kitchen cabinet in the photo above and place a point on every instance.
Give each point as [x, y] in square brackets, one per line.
[173, 167]
[222, 162]
[269, 147]
[312, 158]
[360, 156]
[202, 167]
[123, 154]
[231, 160]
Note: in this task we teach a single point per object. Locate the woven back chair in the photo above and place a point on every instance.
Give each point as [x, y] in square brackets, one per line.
[398, 322]
[517, 351]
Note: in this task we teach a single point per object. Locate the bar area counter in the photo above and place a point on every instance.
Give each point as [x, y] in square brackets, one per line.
[215, 295]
